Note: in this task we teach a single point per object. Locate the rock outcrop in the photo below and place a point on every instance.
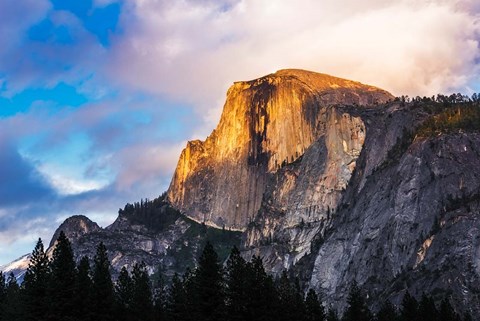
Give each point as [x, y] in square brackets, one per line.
[266, 123]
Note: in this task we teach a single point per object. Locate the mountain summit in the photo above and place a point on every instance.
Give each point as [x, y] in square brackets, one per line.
[266, 123]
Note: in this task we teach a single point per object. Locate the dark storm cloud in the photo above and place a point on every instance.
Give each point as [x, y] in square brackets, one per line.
[20, 182]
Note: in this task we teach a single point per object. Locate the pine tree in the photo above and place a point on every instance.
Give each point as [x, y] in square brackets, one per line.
[409, 309]
[208, 286]
[83, 291]
[467, 317]
[124, 296]
[35, 285]
[191, 295]
[13, 309]
[357, 309]
[159, 298]
[236, 290]
[313, 307]
[176, 305]
[427, 311]
[3, 294]
[447, 313]
[142, 303]
[289, 299]
[62, 281]
[263, 302]
[387, 312]
[332, 315]
[102, 288]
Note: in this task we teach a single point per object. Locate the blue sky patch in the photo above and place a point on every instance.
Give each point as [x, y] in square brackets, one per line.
[99, 21]
[62, 95]
[47, 32]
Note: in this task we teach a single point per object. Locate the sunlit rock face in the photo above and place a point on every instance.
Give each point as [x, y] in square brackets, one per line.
[327, 184]
[300, 199]
[267, 123]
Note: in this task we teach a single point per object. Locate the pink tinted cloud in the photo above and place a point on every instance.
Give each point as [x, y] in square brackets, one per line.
[194, 50]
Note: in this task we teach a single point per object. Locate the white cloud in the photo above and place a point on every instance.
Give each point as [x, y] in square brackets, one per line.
[143, 164]
[65, 184]
[194, 50]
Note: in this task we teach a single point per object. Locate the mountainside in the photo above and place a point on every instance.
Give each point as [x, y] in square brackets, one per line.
[330, 179]
[340, 192]
[151, 232]
[265, 124]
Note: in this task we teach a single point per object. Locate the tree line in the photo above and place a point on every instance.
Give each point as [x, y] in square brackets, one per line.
[58, 289]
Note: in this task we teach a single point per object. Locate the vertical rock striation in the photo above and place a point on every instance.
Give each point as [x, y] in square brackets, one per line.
[266, 123]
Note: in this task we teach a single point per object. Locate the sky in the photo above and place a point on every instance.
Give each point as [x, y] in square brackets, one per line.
[98, 97]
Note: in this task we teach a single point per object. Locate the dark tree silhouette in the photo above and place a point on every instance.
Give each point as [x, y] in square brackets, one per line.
[124, 295]
[83, 291]
[208, 286]
[142, 302]
[357, 309]
[427, 311]
[387, 312]
[409, 308]
[314, 310]
[62, 281]
[176, 301]
[332, 315]
[12, 309]
[237, 295]
[35, 285]
[102, 287]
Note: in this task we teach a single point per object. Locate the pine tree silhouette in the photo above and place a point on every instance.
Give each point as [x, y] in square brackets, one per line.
[314, 310]
[124, 296]
[102, 288]
[142, 302]
[35, 285]
[62, 281]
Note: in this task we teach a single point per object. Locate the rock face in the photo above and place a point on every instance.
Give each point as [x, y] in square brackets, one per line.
[74, 228]
[405, 216]
[154, 234]
[337, 191]
[266, 123]
[411, 222]
[301, 197]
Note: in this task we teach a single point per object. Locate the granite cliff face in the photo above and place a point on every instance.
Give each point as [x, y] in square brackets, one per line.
[336, 191]
[410, 217]
[266, 123]
[405, 216]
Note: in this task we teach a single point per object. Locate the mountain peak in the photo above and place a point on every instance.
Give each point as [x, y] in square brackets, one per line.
[266, 122]
[74, 227]
[316, 81]
[323, 81]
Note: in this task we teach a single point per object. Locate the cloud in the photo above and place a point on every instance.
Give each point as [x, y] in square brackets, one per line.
[20, 180]
[88, 160]
[195, 49]
[48, 46]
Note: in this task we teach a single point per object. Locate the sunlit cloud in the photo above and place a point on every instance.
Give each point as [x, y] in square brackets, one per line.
[196, 49]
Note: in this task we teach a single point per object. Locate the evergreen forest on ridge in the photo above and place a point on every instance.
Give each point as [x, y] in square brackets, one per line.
[57, 289]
